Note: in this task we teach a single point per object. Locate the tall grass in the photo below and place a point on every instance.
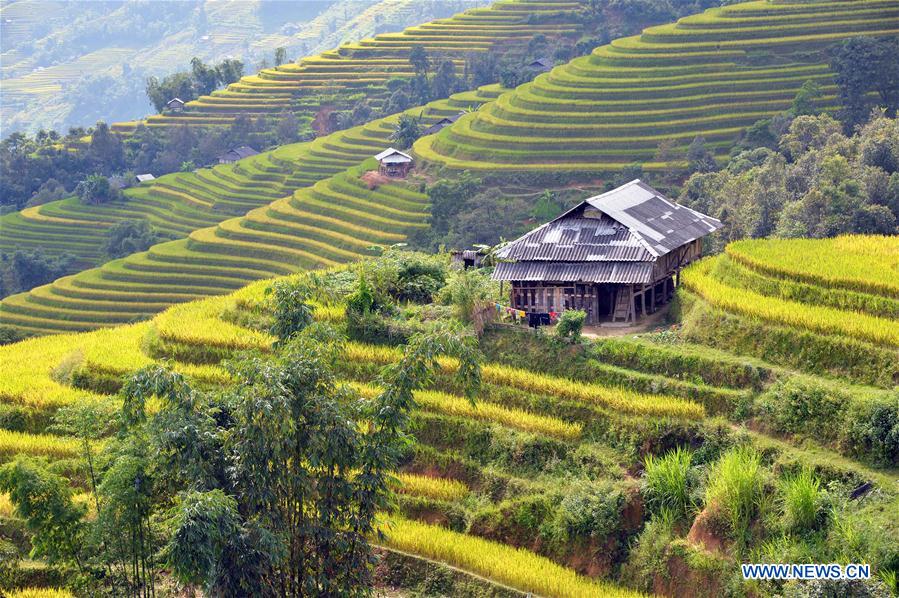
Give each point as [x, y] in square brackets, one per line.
[515, 567]
[802, 502]
[39, 593]
[667, 481]
[736, 487]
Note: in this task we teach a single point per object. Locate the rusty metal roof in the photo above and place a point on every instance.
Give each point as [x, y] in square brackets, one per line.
[593, 272]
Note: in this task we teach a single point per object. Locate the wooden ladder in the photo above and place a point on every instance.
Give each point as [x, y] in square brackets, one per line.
[623, 306]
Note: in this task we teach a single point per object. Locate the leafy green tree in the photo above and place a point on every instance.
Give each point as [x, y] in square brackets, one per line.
[291, 312]
[418, 58]
[699, 158]
[280, 55]
[866, 64]
[29, 269]
[229, 71]
[177, 85]
[448, 198]
[96, 190]
[806, 99]
[129, 236]
[407, 131]
[444, 80]
[205, 77]
[45, 501]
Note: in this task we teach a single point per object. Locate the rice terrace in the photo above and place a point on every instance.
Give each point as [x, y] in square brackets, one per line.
[550, 298]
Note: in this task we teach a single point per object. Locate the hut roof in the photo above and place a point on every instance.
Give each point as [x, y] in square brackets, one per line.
[391, 155]
[174, 101]
[631, 223]
[141, 178]
[238, 153]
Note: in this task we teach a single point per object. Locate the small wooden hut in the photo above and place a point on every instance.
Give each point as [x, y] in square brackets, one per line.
[394, 163]
[175, 105]
[616, 256]
[237, 153]
[442, 124]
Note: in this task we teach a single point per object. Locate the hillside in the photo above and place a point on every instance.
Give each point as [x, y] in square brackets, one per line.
[322, 223]
[72, 63]
[710, 75]
[367, 65]
[549, 457]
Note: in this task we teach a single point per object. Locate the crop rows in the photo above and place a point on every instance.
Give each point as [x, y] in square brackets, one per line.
[368, 64]
[332, 217]
[710, 75]
[806, 316]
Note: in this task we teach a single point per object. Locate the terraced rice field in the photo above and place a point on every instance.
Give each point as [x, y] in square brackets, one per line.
[521, 408]
[840, 292]
[709, 75]
[331, 221]
[368, 64]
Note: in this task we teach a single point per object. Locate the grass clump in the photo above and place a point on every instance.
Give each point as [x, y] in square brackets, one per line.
[803, 503]
[735, 488]
[668, 482]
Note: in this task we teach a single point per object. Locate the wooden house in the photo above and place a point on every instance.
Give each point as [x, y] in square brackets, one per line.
[175, 105]
[543, 65]
[442, 124]
[144, 178]
[237, 153]
[616, 256]
[467, 258]
[394, 163]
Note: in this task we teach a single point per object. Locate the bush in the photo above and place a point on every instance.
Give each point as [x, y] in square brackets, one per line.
[129, 236]
[588, 510]
[668, 482]
[796, 406]
[571, 323]
[873, 431]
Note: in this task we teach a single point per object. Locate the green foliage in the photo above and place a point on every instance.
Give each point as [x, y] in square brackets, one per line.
[95, 190]
[803, 503]
[202, 79]
[291, 312]
[669, 482]
[44, 500]
[407, 132]
[806, 98]
[873, 431]
[199, 528]
[863, 65]
[798, 406]
[587, 511]
[129, 236]
[468, 291]
[571, 323]
[28, 269]
[736, 485]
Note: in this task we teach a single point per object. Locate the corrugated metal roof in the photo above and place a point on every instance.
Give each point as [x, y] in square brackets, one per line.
[633, 223]
[393, 152]
[659, 222]
[579, 239]
[595, 272]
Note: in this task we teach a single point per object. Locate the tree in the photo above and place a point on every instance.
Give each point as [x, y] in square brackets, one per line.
[806, 98]
[106, 150]
[448, 198]
[129, 236]
[280, 55]
[45, 501]
[229, 71]
[418, 58]
[95, 190]
[177, 85]
[205, 77]
[699, 158]
[866, 64]
[407, 131]
[288, 129]
[29, 269]
[444, 80]
[307, 480]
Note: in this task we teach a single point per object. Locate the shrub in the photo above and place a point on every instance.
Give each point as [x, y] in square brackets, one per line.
[873, 431]
[668, 482]
[291, 312]
[803, 503]
[796, 405]
[588, 510]
[571, 323]
[735, 486]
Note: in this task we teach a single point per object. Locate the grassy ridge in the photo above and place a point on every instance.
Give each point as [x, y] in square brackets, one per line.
[709, 75]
